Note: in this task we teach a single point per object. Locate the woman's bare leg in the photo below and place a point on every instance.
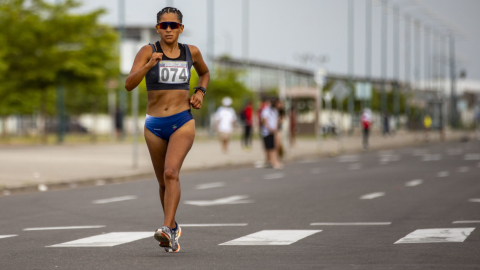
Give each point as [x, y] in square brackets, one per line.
[158, 149]
[179, 144]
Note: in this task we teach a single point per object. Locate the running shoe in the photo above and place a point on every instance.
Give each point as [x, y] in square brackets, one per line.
[167, 239]
[178, 233]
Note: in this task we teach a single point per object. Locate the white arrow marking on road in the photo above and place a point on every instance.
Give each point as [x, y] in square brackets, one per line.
[414, 183]
[116, 199]
[106, 240]
[271, 237]
[472, 157]
[372, 195]
[274, 176]
[436, 235]
[443, 174]
[228, 200]
[7, 235]
[474, 200]
[350, 223]
[63, 228]
[210, 185]
[466, 221]
[214, 225]
[463, 169]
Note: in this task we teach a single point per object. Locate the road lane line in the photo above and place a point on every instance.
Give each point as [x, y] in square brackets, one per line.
[115, 199]
[63, 228]
[106, 240]
[474, 200]
[215, 225]
[372, 195]
[350, 223]
[443, 174]
[466, 221]
[271, 237]
[414, 183]
[274, 176]
[210, 185]
[436, 235]
[8, 235]
[463, 169]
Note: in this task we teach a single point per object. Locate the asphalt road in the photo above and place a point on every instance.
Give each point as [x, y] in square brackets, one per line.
[412, 208]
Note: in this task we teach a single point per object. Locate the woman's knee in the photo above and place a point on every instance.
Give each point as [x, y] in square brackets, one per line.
[170, 174]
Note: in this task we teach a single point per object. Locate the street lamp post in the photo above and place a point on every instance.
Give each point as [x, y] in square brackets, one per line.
[407, 68]
[396, 62]
[368, 42]
[350, 61]
[384, 57]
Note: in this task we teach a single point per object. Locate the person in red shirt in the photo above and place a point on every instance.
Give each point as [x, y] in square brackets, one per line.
[247, 121]
[366, 123]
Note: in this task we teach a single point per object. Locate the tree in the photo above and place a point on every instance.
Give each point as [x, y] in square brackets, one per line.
[46, 45]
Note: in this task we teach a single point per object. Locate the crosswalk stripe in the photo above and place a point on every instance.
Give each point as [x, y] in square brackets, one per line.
[215, 225]
[436, 235]
[63, 228]
[271, 237]
[372, 195]
[210, 185]
[115, 199]
[414, 183]
[8, 235]
[106, 240]
[466, 221]
[349, 223]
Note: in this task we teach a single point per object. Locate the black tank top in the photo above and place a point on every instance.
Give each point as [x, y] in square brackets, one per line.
[170, 73]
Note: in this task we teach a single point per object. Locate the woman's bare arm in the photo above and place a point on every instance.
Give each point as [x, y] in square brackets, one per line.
[144, 61]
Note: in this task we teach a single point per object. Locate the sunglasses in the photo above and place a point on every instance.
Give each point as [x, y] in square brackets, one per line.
[165, 25]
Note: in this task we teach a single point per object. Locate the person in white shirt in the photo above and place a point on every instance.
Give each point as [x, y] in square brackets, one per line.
[270, 120]
[225, 119]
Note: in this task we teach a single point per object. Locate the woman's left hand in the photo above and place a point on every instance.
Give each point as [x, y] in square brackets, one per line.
[196, 100]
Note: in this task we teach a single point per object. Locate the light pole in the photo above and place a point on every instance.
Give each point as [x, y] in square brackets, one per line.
[350, 61]
[384, 57]
[408, 44]
[396, 62]
[368, 42]
[60, 106]
[453, 90]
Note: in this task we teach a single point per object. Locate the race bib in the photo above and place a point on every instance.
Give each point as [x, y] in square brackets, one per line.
[173, 72]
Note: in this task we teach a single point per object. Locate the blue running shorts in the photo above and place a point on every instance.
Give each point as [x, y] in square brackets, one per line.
[164, 127]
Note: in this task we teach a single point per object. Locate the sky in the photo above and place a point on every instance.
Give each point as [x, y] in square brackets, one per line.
[281, 30]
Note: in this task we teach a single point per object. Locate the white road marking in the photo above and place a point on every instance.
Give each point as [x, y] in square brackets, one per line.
[414, 183]
[106, 240]
[372, 195]
[463, 169]
[350, 223]
[271, 237]
[210, 185]
[215, 225]
[355, 166]
[63, 228]
[8, 235]
[474, 200]
[115, 199]
[348, 158]
[436, 235]
[228, 200]
[432, 157]
[472, 157]
[443, 174]
[42, 187]
[466, 221]
[274, 176]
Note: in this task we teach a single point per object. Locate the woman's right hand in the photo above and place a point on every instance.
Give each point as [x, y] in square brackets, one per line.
[156, 57]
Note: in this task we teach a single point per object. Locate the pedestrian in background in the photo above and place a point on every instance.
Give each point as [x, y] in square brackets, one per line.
[279, 138]
[386, 124]
[366, 124]
[427, 123]
[269, 120]
[225, 119]
[246, 116]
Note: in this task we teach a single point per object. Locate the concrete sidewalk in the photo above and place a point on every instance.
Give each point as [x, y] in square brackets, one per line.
[29, 168]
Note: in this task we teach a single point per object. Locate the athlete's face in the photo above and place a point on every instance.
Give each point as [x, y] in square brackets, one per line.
[169, 35]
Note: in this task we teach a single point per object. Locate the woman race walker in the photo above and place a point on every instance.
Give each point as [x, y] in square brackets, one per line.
[169, 126]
